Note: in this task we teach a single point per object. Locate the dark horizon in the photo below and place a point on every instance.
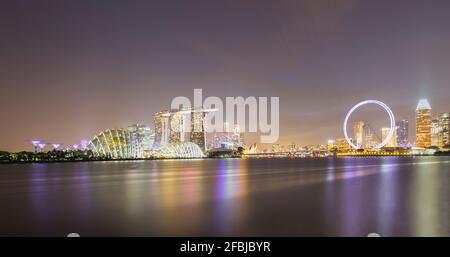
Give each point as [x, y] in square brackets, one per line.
[73, 68]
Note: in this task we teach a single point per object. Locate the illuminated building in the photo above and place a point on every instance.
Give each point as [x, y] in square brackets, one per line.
[331, 145]
[402, 133]
[435, 131]
[127, 143]
[141, 139]
[113, 143]
[358, 133]
[370, 140]
[342, 145]
[228, 139]
[237, 138]
[444, 125]
[293, 147]
[181, 150]
[423, 124]
[198, 134]
[252, 149]
[170, 127]
[84, 144]
[177, 127]
[393, 141]
[275, 148]
[162, 128]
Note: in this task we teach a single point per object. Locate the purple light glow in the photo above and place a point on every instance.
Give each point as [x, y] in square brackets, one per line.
[75, 147]
[84, 144]
[42, 145]
[56, 146]
[35, 143]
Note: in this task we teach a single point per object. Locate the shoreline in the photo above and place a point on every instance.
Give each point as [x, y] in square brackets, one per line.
[208, 158]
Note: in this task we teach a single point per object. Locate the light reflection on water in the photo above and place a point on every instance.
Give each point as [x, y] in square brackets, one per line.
[229, 197]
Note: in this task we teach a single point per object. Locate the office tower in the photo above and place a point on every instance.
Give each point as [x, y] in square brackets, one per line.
[402, 132]
[435, 131]
[370, 139]
[444, 129]
[141, 139]
[358, 133]
[393, 141]
[423, 124]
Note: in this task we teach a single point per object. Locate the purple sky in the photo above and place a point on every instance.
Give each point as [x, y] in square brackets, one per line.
[72, 68]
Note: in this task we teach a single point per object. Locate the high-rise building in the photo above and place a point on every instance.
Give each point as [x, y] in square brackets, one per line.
[358, 133]
[444, 124]
[141, 138]
[177, 127]
[402, 132]
[170, 127]
[237, 137]
[162, 128]
[393, 141]
[423, 124]
[435, 131]
[198, 134]
[370, 139]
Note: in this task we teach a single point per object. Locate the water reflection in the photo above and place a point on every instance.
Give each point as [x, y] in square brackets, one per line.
[231, 187]
[229, 197]
[39, 201]
[425, 203]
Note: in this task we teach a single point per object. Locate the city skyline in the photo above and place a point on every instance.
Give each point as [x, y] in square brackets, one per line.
[73, 69]
[171, 124]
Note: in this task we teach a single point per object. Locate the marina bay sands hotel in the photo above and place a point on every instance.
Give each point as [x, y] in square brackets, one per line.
[181, 125]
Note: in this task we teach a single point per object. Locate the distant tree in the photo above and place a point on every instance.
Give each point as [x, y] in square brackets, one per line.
[5, 156]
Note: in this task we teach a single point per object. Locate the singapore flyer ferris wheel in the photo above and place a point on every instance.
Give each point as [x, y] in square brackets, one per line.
[391, 119]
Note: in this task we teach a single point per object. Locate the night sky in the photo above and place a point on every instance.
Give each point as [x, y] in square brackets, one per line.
[69, 69]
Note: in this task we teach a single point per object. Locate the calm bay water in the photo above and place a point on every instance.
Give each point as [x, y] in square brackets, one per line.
[392, 196]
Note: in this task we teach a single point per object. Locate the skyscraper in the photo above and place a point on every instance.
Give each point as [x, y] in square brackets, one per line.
[402, 132]
[423, 124]
[177, 127]
[171, 127]
[444, 129]
[358, 133]
[162, 128]
[435, 131]
[370, 139]
[393, 141]
[198, 135]
[141, 139]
